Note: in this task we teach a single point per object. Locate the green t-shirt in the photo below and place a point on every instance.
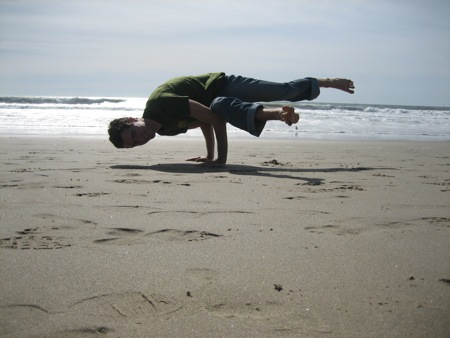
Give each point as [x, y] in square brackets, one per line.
[169, 103]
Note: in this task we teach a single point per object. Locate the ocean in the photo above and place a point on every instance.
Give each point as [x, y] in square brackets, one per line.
[90, 116]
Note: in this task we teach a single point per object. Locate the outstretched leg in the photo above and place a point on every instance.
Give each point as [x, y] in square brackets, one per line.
[253, 90]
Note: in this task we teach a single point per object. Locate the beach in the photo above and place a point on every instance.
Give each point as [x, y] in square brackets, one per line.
[293, 238]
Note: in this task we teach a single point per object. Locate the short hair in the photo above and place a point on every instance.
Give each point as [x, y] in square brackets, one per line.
[115, 129]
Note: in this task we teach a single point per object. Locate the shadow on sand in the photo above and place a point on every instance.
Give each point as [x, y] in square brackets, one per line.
[241, 169]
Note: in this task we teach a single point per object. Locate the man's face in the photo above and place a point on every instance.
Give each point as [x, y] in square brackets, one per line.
[136, 135]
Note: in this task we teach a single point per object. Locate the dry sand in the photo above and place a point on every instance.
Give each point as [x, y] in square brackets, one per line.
[291, 239]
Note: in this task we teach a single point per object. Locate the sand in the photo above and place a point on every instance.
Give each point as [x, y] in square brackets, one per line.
[291, 239]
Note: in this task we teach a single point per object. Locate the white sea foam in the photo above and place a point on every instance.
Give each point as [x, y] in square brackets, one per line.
[75, 116]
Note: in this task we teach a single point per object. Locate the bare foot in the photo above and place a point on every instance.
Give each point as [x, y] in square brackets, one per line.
[342, 84]
[289, 116]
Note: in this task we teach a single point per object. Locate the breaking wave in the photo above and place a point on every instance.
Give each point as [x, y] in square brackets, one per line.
[57, 100]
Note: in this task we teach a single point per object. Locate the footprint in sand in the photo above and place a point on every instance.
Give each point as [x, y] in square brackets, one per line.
[274, 162]
[64, 222]
[68, 186]
[21, 171]
[8, 185]
[130, 304]
[82, 332]
[182, 235]
[135, 181]
[126, 236]
[437, 221]
[312, 182]
[322, 229]
[201, 276]
[342, 188]
[45, 237]
[35, 238]
[335, 229]
[264, 310]
[294, 198]
[272, 316]
[92, 194]
[122, 236]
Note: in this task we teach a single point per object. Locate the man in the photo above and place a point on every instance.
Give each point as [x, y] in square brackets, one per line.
[211, 100]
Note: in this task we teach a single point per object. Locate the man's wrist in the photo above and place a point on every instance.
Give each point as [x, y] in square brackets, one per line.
[324, 83]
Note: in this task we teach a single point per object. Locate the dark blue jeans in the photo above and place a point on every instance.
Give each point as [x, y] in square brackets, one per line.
[241, 97]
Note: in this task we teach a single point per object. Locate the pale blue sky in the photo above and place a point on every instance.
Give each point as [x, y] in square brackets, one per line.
[396, 51]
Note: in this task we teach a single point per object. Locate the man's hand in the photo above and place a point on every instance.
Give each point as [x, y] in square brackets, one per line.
[198, 159]
[206, 162]
[342, 84]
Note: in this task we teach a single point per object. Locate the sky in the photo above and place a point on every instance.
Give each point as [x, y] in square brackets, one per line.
[395, 51]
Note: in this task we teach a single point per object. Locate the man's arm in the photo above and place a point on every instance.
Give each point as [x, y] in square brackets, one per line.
[208, 134]
[205, 115]
[343, 84]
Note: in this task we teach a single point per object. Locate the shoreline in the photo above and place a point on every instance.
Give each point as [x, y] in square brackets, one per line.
[231, 138]
[312, 238]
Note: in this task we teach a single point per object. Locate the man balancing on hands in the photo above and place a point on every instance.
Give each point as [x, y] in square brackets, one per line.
[211, 100]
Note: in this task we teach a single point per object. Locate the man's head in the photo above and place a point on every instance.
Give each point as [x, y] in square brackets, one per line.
[129, 132]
